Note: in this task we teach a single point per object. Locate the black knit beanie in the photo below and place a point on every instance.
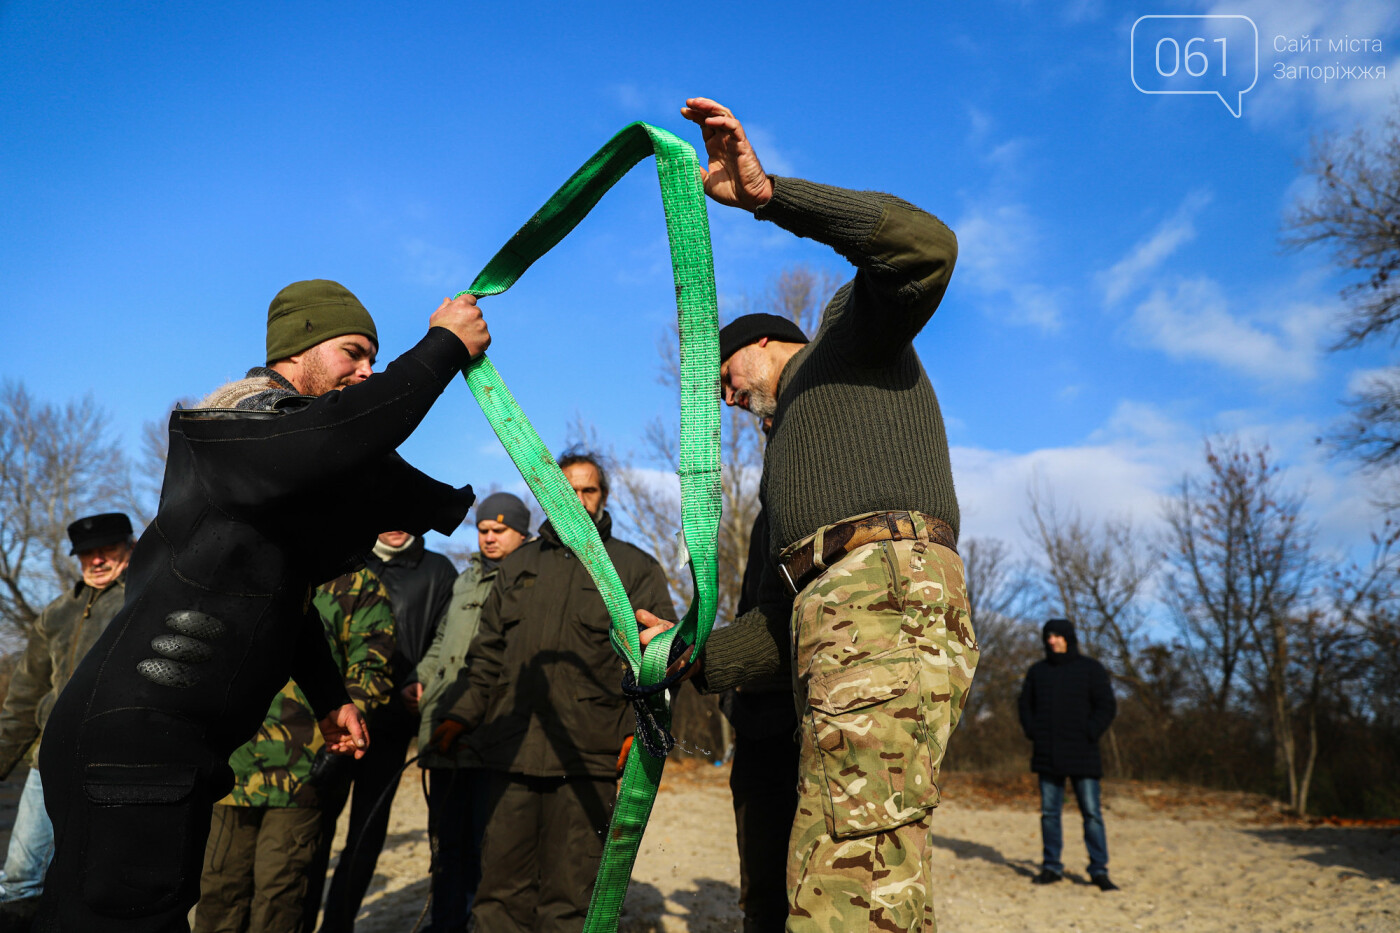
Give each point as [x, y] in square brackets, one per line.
[751, 328]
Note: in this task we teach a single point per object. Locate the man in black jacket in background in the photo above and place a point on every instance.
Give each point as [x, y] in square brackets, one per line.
[1066, 703]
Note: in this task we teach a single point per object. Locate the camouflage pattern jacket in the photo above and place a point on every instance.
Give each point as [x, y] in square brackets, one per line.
[271, 769]
[59, 638]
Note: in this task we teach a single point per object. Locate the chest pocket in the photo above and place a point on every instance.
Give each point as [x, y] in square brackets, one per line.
[868, 724]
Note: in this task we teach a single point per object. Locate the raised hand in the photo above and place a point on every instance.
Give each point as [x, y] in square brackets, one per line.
[735, 176]
[463, 318]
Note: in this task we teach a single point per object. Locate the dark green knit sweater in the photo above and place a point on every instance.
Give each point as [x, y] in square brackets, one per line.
[858, 427]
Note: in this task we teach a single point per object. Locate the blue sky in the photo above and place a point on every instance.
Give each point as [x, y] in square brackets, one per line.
[1121, 291]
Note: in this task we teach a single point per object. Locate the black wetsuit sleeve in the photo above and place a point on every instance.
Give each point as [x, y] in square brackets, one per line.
[314, 668]
[409, 499]
[338, 432]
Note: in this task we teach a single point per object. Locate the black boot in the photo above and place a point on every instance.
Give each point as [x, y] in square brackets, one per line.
[18, 916]
[1103, 883]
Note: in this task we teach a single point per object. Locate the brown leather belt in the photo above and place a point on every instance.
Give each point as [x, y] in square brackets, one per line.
[798, 568]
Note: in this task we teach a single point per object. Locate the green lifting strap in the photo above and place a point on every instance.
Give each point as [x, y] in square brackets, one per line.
[688, 228]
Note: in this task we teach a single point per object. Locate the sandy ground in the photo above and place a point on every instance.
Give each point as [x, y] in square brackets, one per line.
[1186, 860]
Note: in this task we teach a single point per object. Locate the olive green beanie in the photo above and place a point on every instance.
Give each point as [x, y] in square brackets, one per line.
[305, 313]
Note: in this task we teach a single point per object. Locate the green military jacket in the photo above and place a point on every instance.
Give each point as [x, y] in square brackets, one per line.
[544, 685]
[62, 634]
[270, 770]
[443, 672]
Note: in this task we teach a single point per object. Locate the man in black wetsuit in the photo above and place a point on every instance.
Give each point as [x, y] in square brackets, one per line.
[274, 484]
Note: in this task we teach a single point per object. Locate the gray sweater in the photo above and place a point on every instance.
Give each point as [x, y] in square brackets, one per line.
[858, 428]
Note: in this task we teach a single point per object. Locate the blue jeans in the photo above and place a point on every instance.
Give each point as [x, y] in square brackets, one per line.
[31, 845]
[1052, 800]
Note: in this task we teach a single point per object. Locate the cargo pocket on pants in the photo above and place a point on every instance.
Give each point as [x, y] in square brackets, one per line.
[873, 745]
[139, 836]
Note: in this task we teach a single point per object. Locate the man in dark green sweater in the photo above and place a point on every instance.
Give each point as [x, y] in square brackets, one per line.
[865, 596]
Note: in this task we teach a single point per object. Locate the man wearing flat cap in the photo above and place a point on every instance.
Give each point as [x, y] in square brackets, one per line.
[58, 639]
[457, 787]
[865, 597]
[273, 484]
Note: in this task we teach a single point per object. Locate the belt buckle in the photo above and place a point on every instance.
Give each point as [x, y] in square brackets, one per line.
[787, 578]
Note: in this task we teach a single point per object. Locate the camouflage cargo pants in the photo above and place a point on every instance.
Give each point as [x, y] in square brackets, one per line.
[884, 655]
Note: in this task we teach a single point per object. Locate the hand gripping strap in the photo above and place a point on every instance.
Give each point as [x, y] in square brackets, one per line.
[687, 226]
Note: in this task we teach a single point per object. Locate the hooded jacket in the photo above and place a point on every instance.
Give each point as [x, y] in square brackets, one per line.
[544, 691]
[1066, 704]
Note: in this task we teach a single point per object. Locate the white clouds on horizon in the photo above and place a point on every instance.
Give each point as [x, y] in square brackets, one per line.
[1125, 469]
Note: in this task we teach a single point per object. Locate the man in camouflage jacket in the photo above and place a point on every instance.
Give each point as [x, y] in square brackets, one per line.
[267, 830]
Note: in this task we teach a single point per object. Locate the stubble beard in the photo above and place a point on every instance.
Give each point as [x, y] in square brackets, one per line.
[316, 378]
[763, 403]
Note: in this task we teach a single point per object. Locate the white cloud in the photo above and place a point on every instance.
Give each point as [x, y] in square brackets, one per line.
[1128, 273]
[1192, 320]
[1138, 456]
[1344, 100]
[629, 97]
[981, 124]
[997, 249]
[1362, 379]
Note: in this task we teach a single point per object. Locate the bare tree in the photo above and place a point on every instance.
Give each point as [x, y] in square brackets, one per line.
[1355, 213]
[56, 464]
[1364, 599]
[1243, 560]
[1347, 639]
[150, 472]
[999, 593]
[798, 293]
[1099, 573]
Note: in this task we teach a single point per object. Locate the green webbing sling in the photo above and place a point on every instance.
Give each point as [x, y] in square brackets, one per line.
[687, 226]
